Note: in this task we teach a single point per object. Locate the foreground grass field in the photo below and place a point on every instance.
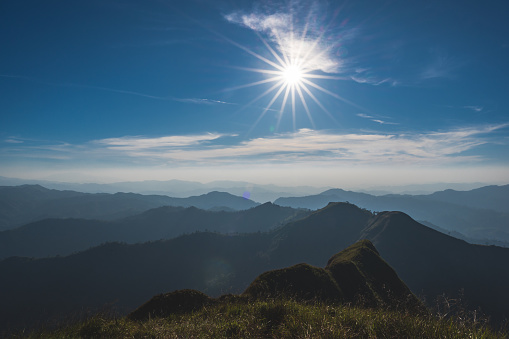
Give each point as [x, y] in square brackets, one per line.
[277, 319]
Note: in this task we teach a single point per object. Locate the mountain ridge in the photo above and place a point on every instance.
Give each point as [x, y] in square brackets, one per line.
[477, 224]
[50, 237]
[302, 282]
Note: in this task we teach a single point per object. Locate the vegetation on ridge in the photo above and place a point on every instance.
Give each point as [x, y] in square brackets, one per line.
[276, 319]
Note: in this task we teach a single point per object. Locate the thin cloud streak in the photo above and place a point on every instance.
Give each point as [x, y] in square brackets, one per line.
[377, 120]
[200, 101]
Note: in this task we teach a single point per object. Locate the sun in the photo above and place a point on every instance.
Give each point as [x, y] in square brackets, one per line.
[293, 75]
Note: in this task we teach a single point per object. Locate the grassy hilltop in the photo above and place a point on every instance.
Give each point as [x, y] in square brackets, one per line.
[277, 319]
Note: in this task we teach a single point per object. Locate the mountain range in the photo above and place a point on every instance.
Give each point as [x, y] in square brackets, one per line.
[429, 262]
[257, 192]
[175, 188]
[20, 205]
[480, 215]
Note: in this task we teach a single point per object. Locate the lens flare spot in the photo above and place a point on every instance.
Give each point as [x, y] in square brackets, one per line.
[218, 273]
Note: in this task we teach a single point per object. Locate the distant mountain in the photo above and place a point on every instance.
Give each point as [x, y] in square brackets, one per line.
[429, 262]
[472, 220]
[50, 237]
[20, 205]
[321, 200]
[215, 199]
[176, 188]
[461, 236]
[420, 189]
[488, 197]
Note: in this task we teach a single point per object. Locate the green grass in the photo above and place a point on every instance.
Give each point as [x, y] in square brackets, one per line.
[276, 319]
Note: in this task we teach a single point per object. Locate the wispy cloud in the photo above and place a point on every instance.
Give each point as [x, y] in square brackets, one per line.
[297, 40]
[442, 65]
[370, 81]
[366, 76]
[131, 143]
[13, 141]
[302, 146]
[300, 32]
[474, 108]
[376, 119]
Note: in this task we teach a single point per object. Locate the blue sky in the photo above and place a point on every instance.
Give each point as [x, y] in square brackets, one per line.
[384, 92]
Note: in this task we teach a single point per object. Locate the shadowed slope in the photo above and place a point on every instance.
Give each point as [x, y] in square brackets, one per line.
[163, 305]
[432, 263]
[315, 238]
[361, 271]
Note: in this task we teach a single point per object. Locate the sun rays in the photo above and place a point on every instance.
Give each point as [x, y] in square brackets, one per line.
[293, 62]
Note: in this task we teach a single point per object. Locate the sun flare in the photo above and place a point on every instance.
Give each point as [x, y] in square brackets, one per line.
[292, 75]
[296, 61]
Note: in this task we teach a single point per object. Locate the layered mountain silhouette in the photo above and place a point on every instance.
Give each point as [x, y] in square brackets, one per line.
[429, 262]
[357, 276]
[175, 188]
[20, 205]
[470, 213]
[52, 237]
[478, 216]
